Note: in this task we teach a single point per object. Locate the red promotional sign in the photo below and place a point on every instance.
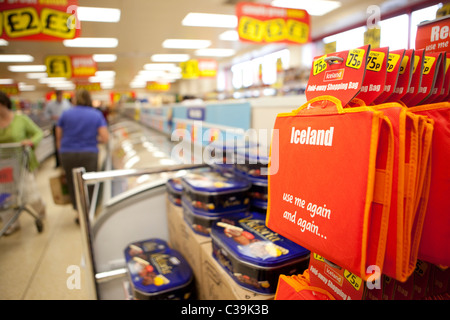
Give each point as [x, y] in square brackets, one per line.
[267, 24]
[339, 74]
[434, 36]
[83, 66]
[37, 20]
[207, 68]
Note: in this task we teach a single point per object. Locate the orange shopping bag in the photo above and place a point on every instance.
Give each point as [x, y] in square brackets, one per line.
[331, 191]
[298, 287]
[435, 235]
[412, 140]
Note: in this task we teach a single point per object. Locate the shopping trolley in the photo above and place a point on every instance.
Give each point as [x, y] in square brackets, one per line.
[14, 160]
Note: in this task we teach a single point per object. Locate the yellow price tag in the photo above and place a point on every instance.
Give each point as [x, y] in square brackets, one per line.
[189, 69]
[251, 29]
[392, 61]
[355, 58]
[354, 280]
[58, 66]
[275, 30]
[297, 31]
[317, 257]
[404, 64]
[375, 61]
[54, 23]
[21, 22]
[416, 62]
[319, 65]
[428, 64]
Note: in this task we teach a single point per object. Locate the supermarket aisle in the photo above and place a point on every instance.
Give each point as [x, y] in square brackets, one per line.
[34, 266]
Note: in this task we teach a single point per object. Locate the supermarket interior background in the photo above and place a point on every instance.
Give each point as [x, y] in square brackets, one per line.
[138, 69]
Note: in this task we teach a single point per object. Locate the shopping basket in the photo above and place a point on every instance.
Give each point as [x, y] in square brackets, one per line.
[14, 159]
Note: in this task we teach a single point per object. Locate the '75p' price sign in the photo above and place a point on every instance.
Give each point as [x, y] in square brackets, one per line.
[32, 20]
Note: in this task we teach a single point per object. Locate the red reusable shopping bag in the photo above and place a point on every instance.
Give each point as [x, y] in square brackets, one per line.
[435, 236]
[332, 187]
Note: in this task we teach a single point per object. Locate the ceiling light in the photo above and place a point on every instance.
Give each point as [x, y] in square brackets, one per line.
[104, 57]
[186, 44]
[314, 8]
[159, 66]
[138, 85]
[92, 42]
[52, 80]
[36, 75]
[105, 74]
[6, 81]
[27, 87]
[27, 68]
[16, 58]
[151, 72]
[170, 57]
[215, 52]
[3, 42]
[210, 20]
[229, 35]
[98, 14]
[106, 85]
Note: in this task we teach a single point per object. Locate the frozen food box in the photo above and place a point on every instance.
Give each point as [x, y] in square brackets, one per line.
[146, 246]
[174, 190]
[221, 156]
[201, 221]
[258, 195]
[252, 162]
[160, 275]
[253, 255]
[214, 192]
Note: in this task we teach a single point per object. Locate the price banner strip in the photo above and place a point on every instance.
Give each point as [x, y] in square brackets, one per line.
[259, 23]
[38, 22]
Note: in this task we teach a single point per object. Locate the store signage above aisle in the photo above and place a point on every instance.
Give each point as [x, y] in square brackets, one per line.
[89, 86]
[38, 20]
[434, 36]
[70, 66]
[158, 86]
[10, 89]
[264, 24]
[198, 68]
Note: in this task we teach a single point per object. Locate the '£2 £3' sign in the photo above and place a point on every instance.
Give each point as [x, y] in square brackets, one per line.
[38, 22]
[266, 24]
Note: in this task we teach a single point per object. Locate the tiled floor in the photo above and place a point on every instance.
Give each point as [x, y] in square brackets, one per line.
[44, 266]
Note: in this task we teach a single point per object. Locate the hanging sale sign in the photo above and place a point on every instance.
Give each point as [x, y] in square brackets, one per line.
[434, 36]
[158, 86]
[70, 66]
[39, 20]
[58, 66]
[266, 24]
[83, 66]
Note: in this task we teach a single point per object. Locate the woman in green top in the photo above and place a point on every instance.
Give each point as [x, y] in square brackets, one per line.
[16, 127]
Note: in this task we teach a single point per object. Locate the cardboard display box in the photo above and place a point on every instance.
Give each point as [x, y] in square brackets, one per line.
[218, 285]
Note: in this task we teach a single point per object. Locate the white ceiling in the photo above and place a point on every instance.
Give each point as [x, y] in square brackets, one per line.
[145, 24]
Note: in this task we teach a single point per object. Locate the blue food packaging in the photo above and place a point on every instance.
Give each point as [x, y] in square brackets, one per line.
[201, 221]
[253, 255]
[160, 275]
[214, 192]
[252, 162]
[174, 190]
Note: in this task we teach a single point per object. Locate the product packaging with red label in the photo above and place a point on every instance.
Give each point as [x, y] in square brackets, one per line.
[431, 63]
[404, 77]
[394, 63]
[375, 77]
[339, 74]
[416, 79]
